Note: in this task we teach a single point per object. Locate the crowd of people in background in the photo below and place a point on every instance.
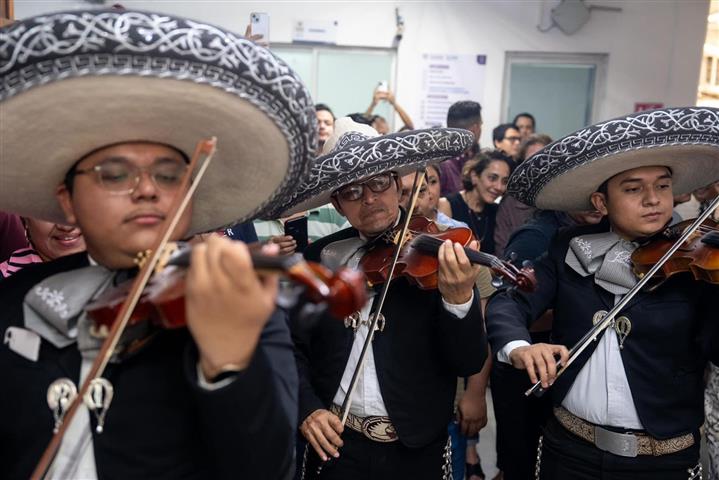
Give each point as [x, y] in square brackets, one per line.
[468, 190]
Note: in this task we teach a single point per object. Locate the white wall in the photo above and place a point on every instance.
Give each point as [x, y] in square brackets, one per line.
[654, 46]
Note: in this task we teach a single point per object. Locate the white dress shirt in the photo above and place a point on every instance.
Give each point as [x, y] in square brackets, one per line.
[600, 393]
[367, 399]
[76, 456]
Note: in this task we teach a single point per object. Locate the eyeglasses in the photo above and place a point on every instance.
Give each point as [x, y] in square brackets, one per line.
[377, 184]
[513, 139]
[120, 177]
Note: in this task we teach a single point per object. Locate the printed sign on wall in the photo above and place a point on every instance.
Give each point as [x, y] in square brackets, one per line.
[446, 79]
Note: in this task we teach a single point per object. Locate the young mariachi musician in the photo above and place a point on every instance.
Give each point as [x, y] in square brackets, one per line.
[116, 107]
[631, 404]
[397, 424]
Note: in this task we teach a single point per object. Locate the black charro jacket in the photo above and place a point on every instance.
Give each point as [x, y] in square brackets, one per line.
[418, 356]
[675, 330]
[160, 424]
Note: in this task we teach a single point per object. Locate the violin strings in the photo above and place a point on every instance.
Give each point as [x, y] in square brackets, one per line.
[428, 242]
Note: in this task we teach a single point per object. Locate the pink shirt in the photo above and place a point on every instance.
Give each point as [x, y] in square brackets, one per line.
[18, 260]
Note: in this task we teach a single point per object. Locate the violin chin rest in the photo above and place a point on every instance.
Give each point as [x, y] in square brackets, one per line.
[711, 239]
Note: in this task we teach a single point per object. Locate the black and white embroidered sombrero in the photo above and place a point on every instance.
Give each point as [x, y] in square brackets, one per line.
[73, 82]
[355, 151]
[564, 174]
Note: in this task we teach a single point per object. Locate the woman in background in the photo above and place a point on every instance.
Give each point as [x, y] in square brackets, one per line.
[485, 180]
[46, 241]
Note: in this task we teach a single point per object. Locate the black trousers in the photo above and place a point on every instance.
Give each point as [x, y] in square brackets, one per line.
[566, 456]
[519, 421]
[363, 459]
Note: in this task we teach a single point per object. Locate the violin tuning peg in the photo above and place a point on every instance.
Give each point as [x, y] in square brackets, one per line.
[141, 258]
[164, 259]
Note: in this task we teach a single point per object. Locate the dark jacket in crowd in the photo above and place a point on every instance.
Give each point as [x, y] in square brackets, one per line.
[675, 330]
[418, 356]
[160, 423]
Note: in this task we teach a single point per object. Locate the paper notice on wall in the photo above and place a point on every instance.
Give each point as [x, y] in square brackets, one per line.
[448, 78]
[315, 31]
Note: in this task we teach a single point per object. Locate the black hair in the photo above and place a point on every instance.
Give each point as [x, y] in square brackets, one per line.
[499, 131]
[361, 118]
[464, 114]
[604, 188]
[525, 114]
[436, 169]
[319, 107]
[480, 163]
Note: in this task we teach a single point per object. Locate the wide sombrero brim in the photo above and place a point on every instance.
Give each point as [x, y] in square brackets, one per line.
[56, 110]
[564, 174]
[402, 152]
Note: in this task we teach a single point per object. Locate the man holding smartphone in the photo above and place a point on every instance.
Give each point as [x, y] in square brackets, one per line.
[293, 234]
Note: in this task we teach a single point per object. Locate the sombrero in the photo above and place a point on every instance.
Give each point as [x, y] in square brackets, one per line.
[73, 82]
[564, 174]
[355, 151]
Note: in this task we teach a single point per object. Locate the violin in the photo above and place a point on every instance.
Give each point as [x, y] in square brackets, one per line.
[418, 257]
[163, 300]
[699, 254]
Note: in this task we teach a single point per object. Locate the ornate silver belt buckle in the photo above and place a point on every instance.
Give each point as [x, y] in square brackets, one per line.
[622, 444]
[378, 429]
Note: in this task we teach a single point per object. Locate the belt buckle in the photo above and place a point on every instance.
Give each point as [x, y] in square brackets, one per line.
[378, 429]
[622, 444]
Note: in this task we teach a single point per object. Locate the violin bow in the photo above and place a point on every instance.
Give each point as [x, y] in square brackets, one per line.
[347, 403]
[205, 148]
[608, 319]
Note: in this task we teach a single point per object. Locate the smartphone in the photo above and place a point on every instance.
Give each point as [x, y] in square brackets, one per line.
[260, 25]
[383, 86]
[297, 229]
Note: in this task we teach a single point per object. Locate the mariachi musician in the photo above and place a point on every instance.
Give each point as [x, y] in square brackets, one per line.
[397, 419]
[630, 406]
[101, 110]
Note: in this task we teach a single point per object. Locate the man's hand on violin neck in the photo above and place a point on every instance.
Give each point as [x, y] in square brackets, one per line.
[539, 361]
[322, 429]
[227, 304]
[456, 274]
